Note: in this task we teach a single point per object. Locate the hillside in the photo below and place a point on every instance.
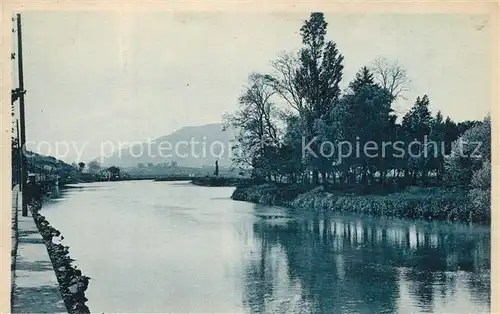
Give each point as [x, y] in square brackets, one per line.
[47, 168]
[190, 146]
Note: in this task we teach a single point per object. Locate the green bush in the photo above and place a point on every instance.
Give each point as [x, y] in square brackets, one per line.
[415, 203]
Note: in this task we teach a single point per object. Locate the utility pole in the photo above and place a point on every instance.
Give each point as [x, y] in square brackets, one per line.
[20, 152]
[24, 172]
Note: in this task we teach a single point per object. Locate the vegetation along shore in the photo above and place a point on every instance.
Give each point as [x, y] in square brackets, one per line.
[348, 149]
[414, 203]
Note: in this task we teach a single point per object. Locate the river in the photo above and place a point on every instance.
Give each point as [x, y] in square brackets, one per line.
[175, 247]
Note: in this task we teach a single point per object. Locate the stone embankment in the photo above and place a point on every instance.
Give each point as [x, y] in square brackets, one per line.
[44, 279]
[35, 288]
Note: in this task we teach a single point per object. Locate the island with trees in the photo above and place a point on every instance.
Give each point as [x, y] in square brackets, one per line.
[445, 174]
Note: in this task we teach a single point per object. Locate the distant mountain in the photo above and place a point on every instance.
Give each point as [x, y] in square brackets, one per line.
[191, 146]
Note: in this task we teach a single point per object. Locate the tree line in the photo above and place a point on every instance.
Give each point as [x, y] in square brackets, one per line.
[270, 141]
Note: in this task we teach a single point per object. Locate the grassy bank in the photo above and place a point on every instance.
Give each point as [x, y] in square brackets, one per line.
[268, 194]
[414, 203]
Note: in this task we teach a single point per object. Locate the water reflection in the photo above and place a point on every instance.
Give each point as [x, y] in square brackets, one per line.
[158, 247]
[345, 264]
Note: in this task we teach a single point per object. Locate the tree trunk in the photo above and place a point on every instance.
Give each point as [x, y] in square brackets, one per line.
[324, 179]
[315, 177]
[382, 178]
[364, 177]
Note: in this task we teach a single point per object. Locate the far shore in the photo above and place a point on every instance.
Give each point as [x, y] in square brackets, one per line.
[420, 203]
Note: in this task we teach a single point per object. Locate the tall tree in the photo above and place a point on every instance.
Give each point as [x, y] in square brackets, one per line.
[451, 133]
[417, 122]
[365, 116]
[391, 76]
[284, 81]
[416, 125]
[309, 82]
[318, 78]
[435, 148]
[290, 152]
[320, 68]
[255, 123]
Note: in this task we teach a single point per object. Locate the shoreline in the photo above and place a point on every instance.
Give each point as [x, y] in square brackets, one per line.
[72, 284]
[425, 204]
[414, 203]
[211, 181]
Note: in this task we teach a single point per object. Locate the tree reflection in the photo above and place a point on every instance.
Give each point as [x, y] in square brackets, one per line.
[334, 265]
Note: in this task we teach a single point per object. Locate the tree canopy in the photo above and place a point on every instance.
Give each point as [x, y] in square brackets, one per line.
[338, 126]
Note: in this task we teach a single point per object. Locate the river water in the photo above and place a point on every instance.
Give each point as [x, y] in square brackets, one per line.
[175, 247]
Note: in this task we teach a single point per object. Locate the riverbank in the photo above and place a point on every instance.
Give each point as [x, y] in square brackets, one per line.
[197, 180]
[34, 286]
[71, 283]
[414, 203]
[222, 181]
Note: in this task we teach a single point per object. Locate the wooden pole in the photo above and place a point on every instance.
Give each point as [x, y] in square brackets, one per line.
[24, 172]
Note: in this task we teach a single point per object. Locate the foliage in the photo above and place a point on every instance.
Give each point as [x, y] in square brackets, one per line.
[480, 193]
[94, 167]
[81, 166]
[271, 143]
[423, 203]
[469, 153]
[268, 194]
[256, 122]
[114, 173]
[391, 76]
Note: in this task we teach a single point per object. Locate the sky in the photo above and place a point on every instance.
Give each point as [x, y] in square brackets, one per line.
[123, 76]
